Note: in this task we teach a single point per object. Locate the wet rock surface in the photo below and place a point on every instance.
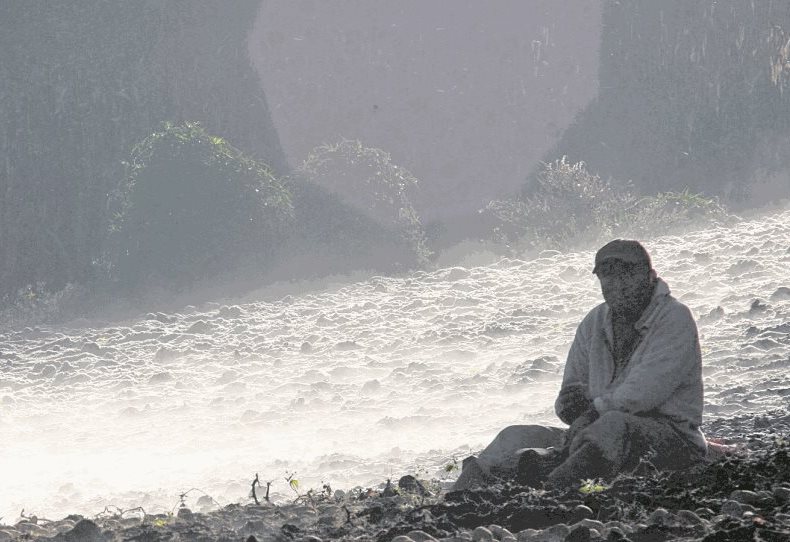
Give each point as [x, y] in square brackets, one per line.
[743, 494]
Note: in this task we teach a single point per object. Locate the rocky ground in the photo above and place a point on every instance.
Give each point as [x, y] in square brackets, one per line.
[743, 494]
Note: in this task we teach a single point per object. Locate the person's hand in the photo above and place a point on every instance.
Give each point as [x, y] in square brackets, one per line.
[572, 403]
[586, 419]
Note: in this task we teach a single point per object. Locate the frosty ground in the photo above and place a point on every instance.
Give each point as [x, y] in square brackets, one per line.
[354, 383]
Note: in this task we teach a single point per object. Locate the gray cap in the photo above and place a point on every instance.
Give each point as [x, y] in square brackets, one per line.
[626, 250]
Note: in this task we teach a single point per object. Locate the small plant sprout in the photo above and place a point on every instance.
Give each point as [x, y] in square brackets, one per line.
[293, 482]
[452, 466]
[592, 485]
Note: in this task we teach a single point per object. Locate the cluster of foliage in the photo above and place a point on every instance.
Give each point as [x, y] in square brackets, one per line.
[80, 83]
[367, 180]
[692, 93]
[193, 206]
[569, 205]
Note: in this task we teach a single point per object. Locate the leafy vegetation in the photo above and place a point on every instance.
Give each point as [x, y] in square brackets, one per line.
[80, 83]
[570, 206]
[193, 206]
[366, 179]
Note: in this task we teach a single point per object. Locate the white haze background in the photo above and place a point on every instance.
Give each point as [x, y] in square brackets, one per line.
[400, 376]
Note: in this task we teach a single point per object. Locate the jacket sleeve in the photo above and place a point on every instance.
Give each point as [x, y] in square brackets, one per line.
[574, 397]
[670, 360]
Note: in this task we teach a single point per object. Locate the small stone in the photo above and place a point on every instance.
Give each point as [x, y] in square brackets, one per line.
[579, 533]
[581, 512]
[615, 534]
[184, 513]
[410, 484]
[757, 307]
[84, 531]
[499, 532]
[311, 538]
[200, 327]
[306, 348]
[782, 494]
[554, 533]
[481, 534]
[591, 524]
[160, 378]
[347, 345]
[527, 535]
[659, 516]
[732, 508]
[230, 312]
[420, 536]
[704, 512]
[716, 314]
[744, 496]
[690, 517]
[781, 294]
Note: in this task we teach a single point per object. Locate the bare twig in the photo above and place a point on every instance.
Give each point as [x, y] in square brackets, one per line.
[254, 496]
[33, 518]
[183, 496]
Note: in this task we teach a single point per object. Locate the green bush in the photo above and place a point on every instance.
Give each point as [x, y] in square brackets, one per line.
[570, 206]
[366, 180]
[192, 207]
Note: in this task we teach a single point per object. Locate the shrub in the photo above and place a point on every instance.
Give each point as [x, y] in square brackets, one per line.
[365, 179]
[570, 206]
[192, 207]
[566, 203]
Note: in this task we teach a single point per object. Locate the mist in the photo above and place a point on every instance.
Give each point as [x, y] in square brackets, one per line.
[343, 242]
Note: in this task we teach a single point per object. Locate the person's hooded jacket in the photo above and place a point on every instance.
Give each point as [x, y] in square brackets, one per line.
[662, 378]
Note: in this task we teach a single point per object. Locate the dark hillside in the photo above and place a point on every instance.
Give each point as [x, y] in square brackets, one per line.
[692, 94]
[80, 83]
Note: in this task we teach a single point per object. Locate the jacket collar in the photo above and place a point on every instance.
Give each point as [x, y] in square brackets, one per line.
[650, 313]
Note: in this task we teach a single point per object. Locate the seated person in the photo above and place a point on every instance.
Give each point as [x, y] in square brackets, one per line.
[632, 385]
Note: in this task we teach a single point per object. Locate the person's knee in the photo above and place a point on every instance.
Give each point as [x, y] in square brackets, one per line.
[613, 420]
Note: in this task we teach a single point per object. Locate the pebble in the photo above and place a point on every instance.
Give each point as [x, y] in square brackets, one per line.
[782, 293]
[31, 529]
[705, 513]
[526, 535]
[690, 517]
[659, 516]
[615, 533]
[581, 512]
[744, 496]
[782, 494]
[85, 531]
[481, 534]
[732, 508]
[580, 533]
[499, 532]
[201, 327]
[184, 513]
[420, 536]
[555, 533]
[590, 524]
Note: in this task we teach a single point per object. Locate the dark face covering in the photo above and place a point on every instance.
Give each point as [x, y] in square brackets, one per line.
[627, 288]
